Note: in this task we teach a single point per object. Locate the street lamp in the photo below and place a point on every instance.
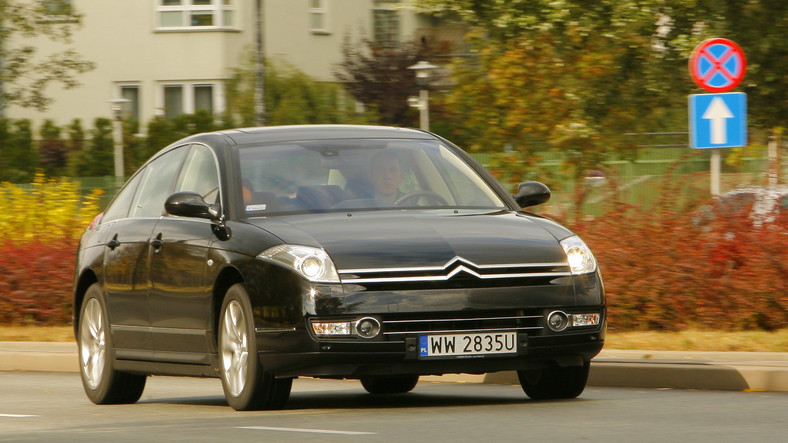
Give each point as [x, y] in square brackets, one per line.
[422, 102]
[117, 137]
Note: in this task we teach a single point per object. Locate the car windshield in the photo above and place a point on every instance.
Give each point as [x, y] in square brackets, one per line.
[357, 174]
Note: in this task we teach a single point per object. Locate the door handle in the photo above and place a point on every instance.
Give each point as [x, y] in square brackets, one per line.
[114, 243]
[156, 242]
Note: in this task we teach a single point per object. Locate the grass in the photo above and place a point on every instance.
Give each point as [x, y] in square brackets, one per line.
[700, 340]
[36, 333]
[690, 340]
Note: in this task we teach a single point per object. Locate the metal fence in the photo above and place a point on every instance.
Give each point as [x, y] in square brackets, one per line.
[640, 178]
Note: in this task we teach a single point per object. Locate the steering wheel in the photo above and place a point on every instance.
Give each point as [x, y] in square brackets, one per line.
[414, 197]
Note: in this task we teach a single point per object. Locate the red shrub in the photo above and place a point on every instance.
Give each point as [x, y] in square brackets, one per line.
[663, 272]
[35, 282]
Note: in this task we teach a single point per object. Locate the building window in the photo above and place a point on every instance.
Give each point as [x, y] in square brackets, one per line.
[188, 98]
[131, 108]
[203, 98]
[318, 22]
[61, 11]
[385, 23]
[194, 14]
[173, 100]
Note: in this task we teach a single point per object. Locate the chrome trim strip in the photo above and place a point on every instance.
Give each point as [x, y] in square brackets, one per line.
[462, 319]
[258, 330]
[451, 262]
[461, 331]
[160, 330]
[452, 274]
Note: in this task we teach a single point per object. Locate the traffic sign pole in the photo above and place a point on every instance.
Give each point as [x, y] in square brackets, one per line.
[715, 171]
[717, 120]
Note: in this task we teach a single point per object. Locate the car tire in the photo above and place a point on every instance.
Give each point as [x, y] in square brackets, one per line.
[554, 382]
[389, 384]
[102, 383]
[247, 386]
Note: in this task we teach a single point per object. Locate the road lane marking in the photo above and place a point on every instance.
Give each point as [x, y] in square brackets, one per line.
[311, 431]
[18, 416]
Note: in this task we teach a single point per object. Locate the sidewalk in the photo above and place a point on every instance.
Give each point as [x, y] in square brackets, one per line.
[740, 371]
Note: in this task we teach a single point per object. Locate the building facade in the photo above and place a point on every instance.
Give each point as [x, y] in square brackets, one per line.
[171, 57]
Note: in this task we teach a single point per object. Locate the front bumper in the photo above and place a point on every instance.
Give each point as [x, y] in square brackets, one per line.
[288, 345]
[298, 353]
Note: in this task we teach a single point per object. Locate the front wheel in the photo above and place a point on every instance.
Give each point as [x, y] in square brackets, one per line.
[247, 386]
[392, 384]
[554, 382]
[102, 383]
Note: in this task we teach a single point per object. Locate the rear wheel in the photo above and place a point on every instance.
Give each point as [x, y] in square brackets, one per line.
[102, 383]
[554, 382]
[389, 384]
[247, 386]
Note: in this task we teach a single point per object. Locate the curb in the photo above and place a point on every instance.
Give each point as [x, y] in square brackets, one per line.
[39, 357]
[730, 371]
[738, 371]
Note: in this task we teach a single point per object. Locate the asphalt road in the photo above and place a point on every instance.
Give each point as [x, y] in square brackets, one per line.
[52, 407]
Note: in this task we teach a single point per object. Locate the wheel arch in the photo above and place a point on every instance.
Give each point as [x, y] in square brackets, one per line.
[86, 280]
[226, 278]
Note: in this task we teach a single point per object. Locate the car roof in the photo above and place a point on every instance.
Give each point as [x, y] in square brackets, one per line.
[321, 132]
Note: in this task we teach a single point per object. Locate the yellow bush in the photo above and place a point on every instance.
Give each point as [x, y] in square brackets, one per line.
[49, 209]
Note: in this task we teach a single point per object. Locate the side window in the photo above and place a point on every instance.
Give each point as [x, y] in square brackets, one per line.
[156, 184]
[199, 174]
[119, 208]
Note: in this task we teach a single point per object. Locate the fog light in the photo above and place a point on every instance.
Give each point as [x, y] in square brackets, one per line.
[585, 319]
[368, 327]
[557, 321]
[331, 328]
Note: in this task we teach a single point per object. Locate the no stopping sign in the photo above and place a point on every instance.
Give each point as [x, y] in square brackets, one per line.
[717, 65]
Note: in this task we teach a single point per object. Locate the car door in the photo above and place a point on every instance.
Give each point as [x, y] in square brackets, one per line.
[127, 264]
[180, 297]
[126, 240]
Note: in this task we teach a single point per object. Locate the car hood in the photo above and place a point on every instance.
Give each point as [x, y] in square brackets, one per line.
[405, 239]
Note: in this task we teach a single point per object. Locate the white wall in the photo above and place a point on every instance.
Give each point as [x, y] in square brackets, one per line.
[121, 38]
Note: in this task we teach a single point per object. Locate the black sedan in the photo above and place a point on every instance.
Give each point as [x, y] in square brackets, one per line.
[374, 253]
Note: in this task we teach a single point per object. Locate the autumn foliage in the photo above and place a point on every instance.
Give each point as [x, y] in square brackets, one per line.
[662, 269]
[35, 282]
[665, 271]
[41, 225]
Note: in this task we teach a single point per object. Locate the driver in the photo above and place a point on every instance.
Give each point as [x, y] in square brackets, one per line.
[386, 174]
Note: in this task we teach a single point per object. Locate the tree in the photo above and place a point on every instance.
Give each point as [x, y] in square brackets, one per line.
[650, 42]
[377, 75]
[291, 97]
[98, 159]
[52, 150]
[19, 157]
[76, 146]
[759, 27]
[23, 77]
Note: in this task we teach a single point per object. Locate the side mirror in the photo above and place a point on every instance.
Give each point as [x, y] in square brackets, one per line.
[532, 194]
[190, 204]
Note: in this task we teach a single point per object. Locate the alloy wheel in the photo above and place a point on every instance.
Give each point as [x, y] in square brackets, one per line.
[92, 343]
[234, 344]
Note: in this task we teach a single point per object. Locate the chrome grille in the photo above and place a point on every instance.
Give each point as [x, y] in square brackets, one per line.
[457, 267]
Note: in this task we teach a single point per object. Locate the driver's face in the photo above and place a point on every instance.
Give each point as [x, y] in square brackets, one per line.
[386, 175]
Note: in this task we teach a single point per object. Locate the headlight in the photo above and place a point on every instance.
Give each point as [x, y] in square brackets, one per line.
[312, 263]
[581, 260]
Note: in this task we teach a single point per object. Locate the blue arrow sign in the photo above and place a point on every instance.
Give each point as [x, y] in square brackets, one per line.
[718, 120]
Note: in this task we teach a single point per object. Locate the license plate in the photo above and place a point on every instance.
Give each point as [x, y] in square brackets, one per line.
[471, 344]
